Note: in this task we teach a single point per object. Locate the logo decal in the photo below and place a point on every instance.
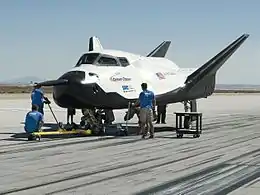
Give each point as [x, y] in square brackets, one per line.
[117, 78]
[128, 88]
[161, 75]
[169, 73]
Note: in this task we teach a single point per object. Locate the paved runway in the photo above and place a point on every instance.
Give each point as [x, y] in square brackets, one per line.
[225, 159]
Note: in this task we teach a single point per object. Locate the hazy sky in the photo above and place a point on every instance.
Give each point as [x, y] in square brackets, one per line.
[46, 38]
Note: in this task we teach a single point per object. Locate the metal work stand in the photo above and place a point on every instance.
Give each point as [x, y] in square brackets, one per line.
[183, 121]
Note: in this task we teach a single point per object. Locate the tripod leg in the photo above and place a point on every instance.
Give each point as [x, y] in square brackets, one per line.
[68, 115]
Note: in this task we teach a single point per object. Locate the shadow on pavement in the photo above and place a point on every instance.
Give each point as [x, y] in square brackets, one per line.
[132, 131]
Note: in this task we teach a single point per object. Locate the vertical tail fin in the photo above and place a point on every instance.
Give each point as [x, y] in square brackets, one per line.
[94, 44]
[160, 50]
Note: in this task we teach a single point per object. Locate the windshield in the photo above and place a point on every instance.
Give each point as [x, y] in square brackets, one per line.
[107, 61]
[89, 58]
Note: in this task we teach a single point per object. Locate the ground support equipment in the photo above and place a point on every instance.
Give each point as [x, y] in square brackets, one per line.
[116, 130]
[78, 132]
[182, 118]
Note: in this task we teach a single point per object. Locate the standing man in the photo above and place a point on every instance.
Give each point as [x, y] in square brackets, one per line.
[147, 105]
[33, 122]
[38, 98]
[161, 110]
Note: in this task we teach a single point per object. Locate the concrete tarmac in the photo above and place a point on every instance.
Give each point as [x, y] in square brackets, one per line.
[224, 160]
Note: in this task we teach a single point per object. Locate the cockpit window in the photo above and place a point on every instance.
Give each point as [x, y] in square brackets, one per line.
[107, 61]
[87, 59]
[123, 61]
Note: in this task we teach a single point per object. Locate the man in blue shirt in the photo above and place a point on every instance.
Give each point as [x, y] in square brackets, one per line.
[147, 105]
[38, 98]
[33, 121]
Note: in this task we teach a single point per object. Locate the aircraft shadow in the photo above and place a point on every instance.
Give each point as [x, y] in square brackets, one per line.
[132, 131]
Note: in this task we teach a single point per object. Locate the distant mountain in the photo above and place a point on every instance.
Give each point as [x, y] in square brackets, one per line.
[32, 79]
[22, 81]
[237, 86]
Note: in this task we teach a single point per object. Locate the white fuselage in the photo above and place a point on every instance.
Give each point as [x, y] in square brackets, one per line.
[161, 75]
[111, 79]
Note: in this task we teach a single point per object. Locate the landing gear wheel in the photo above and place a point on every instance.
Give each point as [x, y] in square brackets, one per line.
[196, 135]
[82, 123]
[179, 135]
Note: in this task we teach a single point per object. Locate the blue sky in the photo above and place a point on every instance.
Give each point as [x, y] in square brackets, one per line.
[46, 38]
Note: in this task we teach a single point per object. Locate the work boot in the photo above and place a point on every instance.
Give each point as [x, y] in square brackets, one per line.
[143, 136]
[31, 137]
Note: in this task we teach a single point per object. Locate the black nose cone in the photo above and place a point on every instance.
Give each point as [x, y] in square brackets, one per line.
[67, 95]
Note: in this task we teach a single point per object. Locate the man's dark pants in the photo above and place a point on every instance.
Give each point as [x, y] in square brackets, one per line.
[161, 113]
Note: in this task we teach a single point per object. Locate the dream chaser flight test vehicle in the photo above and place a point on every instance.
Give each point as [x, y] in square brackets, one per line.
[110, 79]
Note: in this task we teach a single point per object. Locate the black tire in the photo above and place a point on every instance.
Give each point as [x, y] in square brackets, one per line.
[75, 126]
[82, 123]
[196, 135]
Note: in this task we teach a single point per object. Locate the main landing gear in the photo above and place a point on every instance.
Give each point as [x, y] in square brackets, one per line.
[93, 119]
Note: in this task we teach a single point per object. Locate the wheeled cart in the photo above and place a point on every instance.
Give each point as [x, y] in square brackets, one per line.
[183, 123]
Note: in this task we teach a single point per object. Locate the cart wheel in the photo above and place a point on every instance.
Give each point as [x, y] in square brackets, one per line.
[179, 135]
[196, 135]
